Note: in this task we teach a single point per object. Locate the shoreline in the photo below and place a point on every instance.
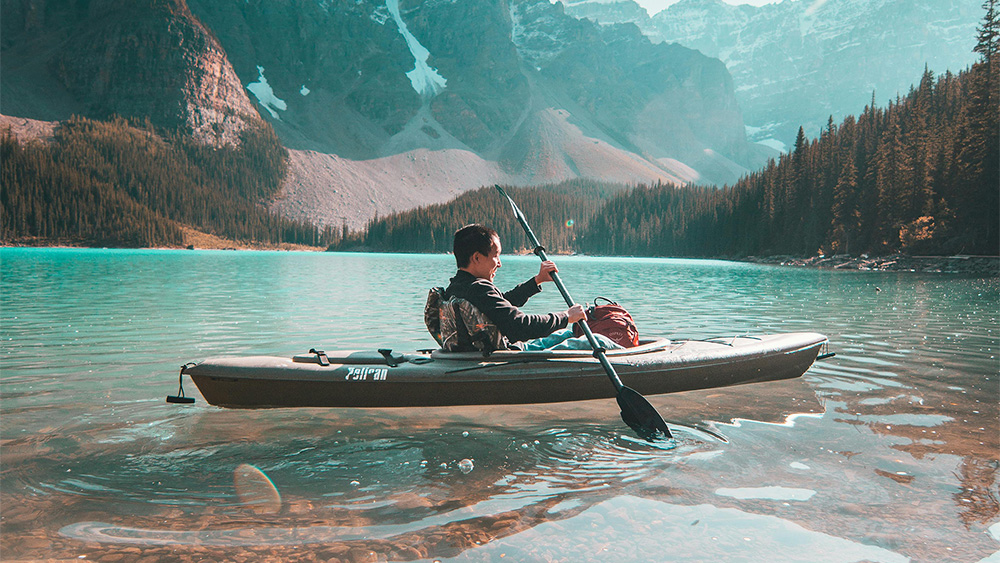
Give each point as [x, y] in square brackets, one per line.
[193, 240]
[957, 264]
[988, 266]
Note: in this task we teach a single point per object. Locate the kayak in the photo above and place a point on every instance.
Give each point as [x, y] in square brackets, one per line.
[383, 378]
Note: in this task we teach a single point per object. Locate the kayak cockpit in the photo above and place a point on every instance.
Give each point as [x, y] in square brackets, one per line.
[387, 357]
[644, 347]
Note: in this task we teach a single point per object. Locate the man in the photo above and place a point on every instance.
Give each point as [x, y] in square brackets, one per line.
[477, 252]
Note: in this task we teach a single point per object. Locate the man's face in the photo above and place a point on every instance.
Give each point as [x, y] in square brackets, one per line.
[486, 266]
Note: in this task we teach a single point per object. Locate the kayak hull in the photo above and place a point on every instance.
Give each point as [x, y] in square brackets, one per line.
[368, 379]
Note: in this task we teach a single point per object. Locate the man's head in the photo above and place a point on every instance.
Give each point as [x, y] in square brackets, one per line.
[477, 250]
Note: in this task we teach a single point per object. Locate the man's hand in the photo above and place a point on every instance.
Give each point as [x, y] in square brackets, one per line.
[545, 272]
[576, 313]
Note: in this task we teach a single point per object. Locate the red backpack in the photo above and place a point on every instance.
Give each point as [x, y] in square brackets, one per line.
[611, 320]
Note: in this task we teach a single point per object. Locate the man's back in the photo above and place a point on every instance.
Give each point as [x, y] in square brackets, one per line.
[502, 308]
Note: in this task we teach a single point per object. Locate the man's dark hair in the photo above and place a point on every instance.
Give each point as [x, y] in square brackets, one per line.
[471, 239]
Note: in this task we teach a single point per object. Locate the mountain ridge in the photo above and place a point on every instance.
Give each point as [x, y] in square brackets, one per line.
[795, 63]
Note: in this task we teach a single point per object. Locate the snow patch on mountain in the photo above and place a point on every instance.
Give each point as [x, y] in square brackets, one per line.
[425, 80]
[381, 15]
[815, 6]
[265, 95]
[765, 136]
[774, 144]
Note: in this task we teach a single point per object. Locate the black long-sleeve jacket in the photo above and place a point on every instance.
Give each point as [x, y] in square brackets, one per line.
[502, 308]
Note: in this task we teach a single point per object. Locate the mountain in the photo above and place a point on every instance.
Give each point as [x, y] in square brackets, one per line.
[919, 176]
[139, 59]
[400, 104]
[798, 62]
[386, 105]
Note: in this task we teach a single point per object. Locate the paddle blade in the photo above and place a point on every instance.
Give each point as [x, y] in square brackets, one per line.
[640, 415]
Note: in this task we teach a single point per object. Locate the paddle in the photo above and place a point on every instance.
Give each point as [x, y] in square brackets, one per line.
[636, 410]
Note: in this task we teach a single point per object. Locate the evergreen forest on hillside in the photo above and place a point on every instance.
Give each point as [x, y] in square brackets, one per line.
[112, 183]
[556, 214]
[919, 176]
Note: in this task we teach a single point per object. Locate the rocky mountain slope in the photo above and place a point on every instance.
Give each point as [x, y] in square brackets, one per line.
[140, 59]
[386, 104]
[799, 61]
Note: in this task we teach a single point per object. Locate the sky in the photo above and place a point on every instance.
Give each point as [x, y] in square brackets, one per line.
[654, 6]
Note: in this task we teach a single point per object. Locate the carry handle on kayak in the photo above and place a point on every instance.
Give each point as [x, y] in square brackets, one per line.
[389, 360]
[179, 398]
[635, 409]
[320, 356]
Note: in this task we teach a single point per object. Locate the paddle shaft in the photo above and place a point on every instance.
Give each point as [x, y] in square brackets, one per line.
[540, 252]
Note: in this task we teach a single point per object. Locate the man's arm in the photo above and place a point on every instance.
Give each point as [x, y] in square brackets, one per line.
[513, 323]
[520, 294]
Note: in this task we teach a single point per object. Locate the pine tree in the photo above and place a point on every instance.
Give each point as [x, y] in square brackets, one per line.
[893, 171]
[988, 33]
[977, 144]
[846, 217]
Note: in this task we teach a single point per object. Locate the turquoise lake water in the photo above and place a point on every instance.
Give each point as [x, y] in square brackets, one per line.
[887, 452]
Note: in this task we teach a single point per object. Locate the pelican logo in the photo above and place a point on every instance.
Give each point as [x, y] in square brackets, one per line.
[362, 374]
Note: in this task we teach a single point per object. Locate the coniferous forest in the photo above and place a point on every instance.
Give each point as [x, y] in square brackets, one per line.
[919, 176]
[556, 214]
[114, 184]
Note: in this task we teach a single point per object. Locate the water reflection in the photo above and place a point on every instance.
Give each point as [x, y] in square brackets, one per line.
[769, 493]
[896, 438]
[605, 532]
[359, 484]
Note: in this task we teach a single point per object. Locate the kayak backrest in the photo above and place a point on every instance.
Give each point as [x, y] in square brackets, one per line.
[457, 325]
[432, 313]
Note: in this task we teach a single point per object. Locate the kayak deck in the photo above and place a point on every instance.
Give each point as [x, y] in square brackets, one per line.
[438, 378]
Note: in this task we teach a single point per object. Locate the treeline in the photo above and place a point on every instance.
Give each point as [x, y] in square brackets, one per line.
[114, 183]
[556, 214]
[920, 176]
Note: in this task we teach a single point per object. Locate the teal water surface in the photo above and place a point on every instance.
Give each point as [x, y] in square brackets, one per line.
[887, 452]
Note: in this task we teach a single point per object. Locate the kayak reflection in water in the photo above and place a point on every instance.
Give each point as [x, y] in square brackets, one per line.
[494, 316]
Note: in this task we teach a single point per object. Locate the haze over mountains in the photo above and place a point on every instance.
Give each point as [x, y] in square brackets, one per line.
[387, 105]
[797, 62]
